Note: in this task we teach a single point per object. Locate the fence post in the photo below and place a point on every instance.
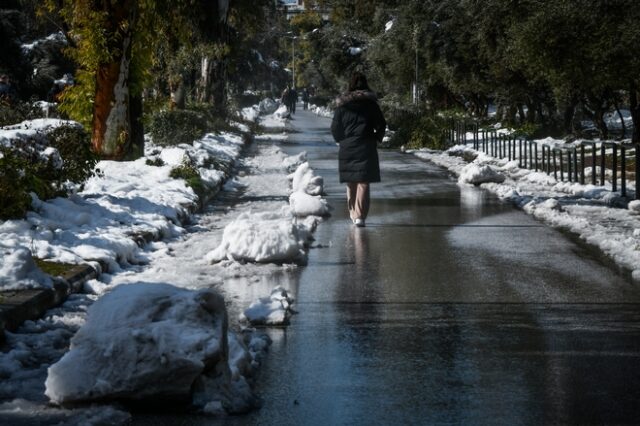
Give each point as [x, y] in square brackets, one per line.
[603, 153]
[535, 151]
[582, 163]
[623, 170]
[614, 177]
[555, 165]
[575, 164]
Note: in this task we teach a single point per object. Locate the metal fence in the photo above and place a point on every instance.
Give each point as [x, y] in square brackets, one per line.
[563, 162]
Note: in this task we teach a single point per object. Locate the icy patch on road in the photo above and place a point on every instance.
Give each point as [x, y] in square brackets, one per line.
[585, 210]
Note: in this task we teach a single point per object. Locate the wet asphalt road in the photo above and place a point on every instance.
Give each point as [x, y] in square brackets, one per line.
[450, 307]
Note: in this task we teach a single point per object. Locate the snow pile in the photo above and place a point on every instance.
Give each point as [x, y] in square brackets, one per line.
[263, 237]
[307, 187]
[321, 111]
[33, 131]
[146, 341]
[475, 175]
[251, 113]
[267, 106]
[18, 270]
[282, 112]
[272, 310]
[304, 205]
[582, 209]
[304, 179]
[292, 162]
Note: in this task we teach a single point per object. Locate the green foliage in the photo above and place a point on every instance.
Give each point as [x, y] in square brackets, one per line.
[74, 146]
[156, 162]
[415, 128]
[191, 177]
[14, 195]
[23, 170]
[18, 112]
[169, 128]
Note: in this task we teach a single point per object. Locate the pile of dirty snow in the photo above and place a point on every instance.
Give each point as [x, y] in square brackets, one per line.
[153, 341]
[19, 271]
[476, 175]
[272, 310]
[307, 188]
[266, 237]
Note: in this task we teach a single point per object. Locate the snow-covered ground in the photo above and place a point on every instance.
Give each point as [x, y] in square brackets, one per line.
[98, 223]
[585, 210]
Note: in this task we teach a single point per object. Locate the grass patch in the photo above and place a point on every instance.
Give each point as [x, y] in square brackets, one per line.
[55, 269]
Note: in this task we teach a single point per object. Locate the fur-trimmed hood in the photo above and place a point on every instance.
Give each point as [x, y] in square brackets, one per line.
[356, 95]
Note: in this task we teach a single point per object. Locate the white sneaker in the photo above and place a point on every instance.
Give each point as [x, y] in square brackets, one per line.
[359, 223]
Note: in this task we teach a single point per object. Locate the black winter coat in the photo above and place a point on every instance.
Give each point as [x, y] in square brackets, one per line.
[358, 125]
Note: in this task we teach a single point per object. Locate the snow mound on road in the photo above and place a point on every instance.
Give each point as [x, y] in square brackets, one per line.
[634, 206]
[146, 341]
[475, 175]
[304, 179]
[251, 113]
[272, 310]
[262, 237]
[19, 271]
[267, 106]
[304, 205]
[292, 162]
[307, 189]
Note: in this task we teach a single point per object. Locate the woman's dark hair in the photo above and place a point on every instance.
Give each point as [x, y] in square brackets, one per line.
[358, 82]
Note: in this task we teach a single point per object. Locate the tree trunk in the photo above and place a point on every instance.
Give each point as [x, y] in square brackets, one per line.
[112, 128]
[569, 113]
[635, 112]
[137, 128]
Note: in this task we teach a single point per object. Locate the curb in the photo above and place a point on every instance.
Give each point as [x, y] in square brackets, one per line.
[16, 307]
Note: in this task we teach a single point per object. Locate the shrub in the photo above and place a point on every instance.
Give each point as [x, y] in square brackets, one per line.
[191, 176]
[78, 160]
[177, 126]
[14, 195]
[428, 132]
[19, 111]
[24, 170]
[415, 128]
[157, 162]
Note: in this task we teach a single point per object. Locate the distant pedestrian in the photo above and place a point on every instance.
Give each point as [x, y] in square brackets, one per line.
[285, 98]
[293, 99]
[305, 98]
[358, 125]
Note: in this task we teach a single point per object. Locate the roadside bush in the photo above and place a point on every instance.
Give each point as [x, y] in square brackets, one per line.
[428, 132]
[19, 111]
[74, 146]
[191, 177]
[24, 169]
[414, 128]
[177, 126]
[14, 195]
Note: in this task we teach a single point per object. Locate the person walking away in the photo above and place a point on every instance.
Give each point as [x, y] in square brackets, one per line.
[305, 99]
[284, 99]
[293, 98]
[358, 126]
